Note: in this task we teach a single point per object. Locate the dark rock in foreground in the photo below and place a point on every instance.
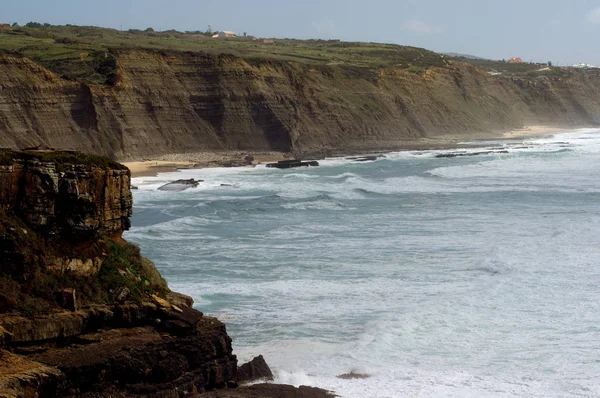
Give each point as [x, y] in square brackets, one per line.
[82, 313]
[180, 185]
[289, 164]
[256, 369]
[271, 391]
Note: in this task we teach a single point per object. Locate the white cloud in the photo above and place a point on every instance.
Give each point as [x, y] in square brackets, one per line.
[418, 26]
[325, 27]
[594, 16]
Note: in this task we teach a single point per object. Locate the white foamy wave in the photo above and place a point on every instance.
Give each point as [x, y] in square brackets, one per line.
[300, 175]
[316, 205]
[344, 176]
[185, 228]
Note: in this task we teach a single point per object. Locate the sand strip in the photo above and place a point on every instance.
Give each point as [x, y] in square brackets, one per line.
[197, 160]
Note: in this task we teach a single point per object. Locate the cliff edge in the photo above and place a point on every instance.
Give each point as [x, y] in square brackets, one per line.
[163, 102]
[81, 312]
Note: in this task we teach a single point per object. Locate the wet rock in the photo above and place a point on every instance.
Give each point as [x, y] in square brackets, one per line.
[256, 369]
[462, 154]
[367, 158]
[180, 185]
[289, 164]
[353, 375]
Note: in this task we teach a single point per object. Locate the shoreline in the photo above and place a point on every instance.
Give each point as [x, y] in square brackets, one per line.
[200, 160]
[210, 159]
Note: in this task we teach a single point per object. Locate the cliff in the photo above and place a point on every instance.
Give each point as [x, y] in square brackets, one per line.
[167, 102]
[81, 312]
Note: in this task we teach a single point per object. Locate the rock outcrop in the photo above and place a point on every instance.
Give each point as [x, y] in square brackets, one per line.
[256, 369]
[180, 185]
[184, 102]
[81, 312]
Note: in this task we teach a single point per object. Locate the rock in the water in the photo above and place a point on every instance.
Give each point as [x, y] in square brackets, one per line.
[256, 369]
[367, 158]
[353, 375]
[289, 164]
[461, 154]
[180, 185]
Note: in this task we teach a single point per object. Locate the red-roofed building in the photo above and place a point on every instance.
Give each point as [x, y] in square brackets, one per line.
[515, 61]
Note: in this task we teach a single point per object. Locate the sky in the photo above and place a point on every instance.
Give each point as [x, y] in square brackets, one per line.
[564, 32]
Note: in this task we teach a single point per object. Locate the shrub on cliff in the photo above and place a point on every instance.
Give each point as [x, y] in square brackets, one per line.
[125, 274]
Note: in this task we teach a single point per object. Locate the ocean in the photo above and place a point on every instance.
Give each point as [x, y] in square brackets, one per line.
[465, 276]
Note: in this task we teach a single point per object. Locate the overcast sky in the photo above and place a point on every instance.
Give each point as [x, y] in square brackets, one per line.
[564, 32]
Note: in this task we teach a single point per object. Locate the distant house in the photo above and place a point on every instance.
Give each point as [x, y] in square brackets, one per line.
[515, 61]
[268, 41]
[223, 35]
[5, 27]
[585, 66]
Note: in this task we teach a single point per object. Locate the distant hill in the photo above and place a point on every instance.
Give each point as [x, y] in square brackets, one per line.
[466, 56]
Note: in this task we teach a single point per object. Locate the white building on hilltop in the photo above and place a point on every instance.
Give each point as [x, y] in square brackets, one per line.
[223, 35]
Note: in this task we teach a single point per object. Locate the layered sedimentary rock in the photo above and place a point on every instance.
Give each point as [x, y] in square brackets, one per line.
[81, 312]
[57, 197]
[177, 102]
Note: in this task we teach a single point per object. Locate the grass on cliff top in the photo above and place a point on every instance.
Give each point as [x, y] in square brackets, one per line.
[89, 54]
[63, 159]
[39, 291]
[86, 53]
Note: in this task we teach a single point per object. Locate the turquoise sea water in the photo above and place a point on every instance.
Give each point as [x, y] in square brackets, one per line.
[474, 276]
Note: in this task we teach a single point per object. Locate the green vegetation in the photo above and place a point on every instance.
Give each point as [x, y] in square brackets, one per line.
[124, 268]
[63, 159]
[515, 69]
[124, 276]
[87, 54]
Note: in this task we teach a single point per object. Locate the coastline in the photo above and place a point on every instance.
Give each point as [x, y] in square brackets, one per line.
[199, 160]
[208, 159]
[534, 131]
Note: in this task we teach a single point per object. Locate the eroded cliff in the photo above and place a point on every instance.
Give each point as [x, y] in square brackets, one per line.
[81, 312]
[182, 102]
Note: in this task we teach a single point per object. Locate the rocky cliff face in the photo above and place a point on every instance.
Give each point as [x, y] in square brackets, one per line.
[164, 103]
[81, 312]
[59, 195]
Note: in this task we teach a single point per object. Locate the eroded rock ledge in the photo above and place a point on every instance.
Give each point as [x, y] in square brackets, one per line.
[82, 313]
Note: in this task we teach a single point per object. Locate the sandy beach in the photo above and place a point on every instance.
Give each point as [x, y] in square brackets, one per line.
[198, 160]
[173, 162]
[530, 131]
